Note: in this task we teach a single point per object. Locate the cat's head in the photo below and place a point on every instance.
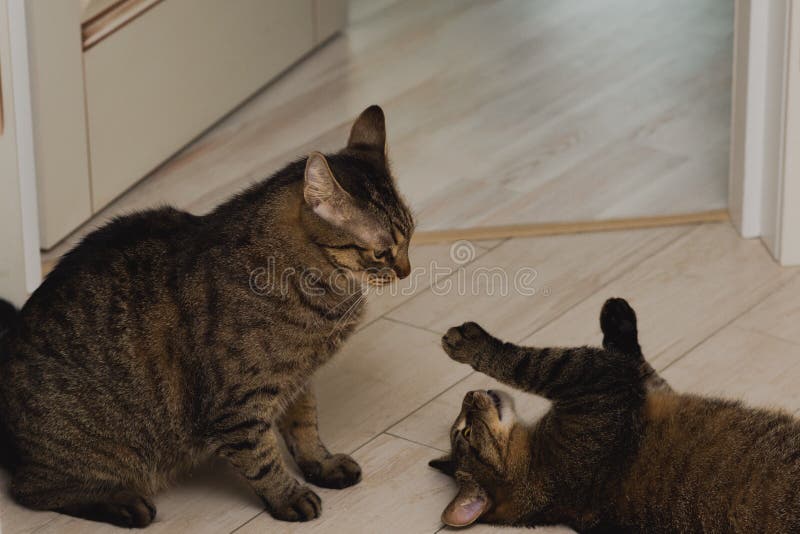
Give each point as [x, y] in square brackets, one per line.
[354, 212]
[488, 450]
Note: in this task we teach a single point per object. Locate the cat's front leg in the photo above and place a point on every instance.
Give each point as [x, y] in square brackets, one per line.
[252, 449]
[553, 372]
[299, 428]
[471, 344]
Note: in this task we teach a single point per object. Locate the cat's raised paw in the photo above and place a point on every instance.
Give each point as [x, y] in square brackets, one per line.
[617, 318]
[336, 472]
[301, 505]
[466, 342]
[618, 323]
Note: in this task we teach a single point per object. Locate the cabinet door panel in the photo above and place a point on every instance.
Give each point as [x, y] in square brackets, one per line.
[159, 81]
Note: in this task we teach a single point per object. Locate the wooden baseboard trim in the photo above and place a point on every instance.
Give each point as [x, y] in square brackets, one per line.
[546, 229]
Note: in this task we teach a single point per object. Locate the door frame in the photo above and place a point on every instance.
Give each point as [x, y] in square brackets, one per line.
[20, 260]
[764, 192]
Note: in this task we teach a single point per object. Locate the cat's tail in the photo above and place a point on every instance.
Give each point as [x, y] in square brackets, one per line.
[9, 319]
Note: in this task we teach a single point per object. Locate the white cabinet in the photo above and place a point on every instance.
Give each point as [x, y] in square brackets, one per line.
[120, 86]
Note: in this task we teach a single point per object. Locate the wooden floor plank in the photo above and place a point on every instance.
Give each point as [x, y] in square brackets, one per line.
[777, 316]
[737, 363]
[385, 372]
[399, 494]
[429, 264]
[683, 294]
[560, 271]
[756, 358]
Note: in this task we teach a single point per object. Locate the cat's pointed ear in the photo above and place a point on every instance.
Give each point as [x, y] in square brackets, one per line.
[444, 464]
[470, 503]
[369, 131]
[323, 193]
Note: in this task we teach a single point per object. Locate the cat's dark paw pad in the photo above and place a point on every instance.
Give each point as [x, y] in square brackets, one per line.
[617, 318]
[301, 505]
[463, 343]
[337, 472]
[128, 509]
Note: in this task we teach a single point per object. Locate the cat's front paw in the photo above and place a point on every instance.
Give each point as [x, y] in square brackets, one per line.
[302, 504]
[336, 472]
[466, 343]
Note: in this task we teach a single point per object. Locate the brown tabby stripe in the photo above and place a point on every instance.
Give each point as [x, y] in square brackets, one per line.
[264, 471]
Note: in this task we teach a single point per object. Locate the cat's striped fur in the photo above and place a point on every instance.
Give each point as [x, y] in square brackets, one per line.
[619, 451]
[152, 345]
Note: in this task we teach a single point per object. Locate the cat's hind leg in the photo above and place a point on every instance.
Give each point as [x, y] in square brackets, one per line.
[618, 323]
[40, 488]
[321, 468]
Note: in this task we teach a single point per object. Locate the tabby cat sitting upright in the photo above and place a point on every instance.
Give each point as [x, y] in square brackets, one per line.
[618, 451]
[164, 338]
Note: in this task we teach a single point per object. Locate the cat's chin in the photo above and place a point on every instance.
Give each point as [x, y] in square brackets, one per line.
[379, 282]
[368, 279]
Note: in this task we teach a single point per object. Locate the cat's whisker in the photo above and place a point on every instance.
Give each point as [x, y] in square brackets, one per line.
[348, 313]
[344, 301]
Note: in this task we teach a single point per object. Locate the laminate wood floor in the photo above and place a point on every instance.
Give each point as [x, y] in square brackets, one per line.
[499, 112]
[717, 316]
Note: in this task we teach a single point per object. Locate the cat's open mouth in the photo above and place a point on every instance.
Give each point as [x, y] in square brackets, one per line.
[380, 281]
[497, 401]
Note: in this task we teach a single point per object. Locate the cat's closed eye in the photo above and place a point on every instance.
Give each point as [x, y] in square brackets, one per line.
[383, 253]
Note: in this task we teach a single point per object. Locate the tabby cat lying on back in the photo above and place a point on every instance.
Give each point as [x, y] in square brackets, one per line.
[152, 344]
[618, 452]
